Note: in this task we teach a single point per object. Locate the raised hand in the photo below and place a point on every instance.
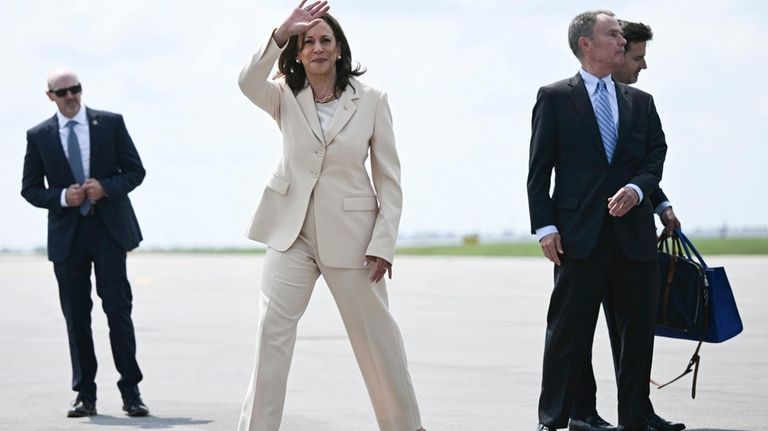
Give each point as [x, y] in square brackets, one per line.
[301, 19]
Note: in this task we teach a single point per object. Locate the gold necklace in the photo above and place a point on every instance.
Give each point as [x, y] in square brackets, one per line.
[326, 99]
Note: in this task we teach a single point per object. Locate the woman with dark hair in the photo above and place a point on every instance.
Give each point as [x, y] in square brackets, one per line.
[320, 214]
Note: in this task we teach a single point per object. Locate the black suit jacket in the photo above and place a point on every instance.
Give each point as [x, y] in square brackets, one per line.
[566, 138]
[658, 197]
[114, 162]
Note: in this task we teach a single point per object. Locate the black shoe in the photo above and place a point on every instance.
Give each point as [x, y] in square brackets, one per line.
[135, 407]
[661, 424]
[81, 408]
[542, 427]
[592, 423]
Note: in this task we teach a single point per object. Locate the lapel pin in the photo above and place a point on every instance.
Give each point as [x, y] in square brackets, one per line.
[95, 122]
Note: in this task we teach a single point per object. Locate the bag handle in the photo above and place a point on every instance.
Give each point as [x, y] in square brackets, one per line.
[688, 244]
[677, 246]
[666, 288]
[663, 245]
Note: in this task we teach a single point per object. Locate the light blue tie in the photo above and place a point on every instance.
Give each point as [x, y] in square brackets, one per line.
[605, 120]
[76, 162]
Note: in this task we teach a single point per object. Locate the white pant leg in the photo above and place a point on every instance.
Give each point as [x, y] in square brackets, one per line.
[287, 282]
[378, 346]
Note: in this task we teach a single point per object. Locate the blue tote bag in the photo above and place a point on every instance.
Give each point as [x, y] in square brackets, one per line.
[718, 319]
[695, 301]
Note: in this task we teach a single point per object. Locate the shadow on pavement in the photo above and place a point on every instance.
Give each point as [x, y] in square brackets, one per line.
[148, 422]
[714, 429]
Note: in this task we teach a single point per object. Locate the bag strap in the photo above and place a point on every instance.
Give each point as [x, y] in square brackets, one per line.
[693, 365]
[676, 253]
[671, 269]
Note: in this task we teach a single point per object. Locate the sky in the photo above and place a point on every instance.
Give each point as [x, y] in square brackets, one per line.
[462, 78]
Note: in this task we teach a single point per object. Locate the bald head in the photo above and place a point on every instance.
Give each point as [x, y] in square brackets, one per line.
[67, 81]
[62, 78]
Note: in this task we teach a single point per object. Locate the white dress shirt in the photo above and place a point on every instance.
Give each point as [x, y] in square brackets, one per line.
[590, 82]
[84, 138]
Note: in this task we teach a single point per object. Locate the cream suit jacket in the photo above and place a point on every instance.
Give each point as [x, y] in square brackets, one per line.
[354, 218]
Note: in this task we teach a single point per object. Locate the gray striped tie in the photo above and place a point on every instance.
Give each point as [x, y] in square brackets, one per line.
[605, 120]
[76, 162]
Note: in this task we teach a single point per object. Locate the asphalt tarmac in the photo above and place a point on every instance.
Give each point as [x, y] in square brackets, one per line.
[473, 328]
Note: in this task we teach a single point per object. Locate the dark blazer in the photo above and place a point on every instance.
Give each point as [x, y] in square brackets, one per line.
[657, 198]
[566, 138]
[114, 162]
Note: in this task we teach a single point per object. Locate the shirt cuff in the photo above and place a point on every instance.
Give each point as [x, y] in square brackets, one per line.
[662, 206]
[546, 230]
[64, 198]
[639, 192]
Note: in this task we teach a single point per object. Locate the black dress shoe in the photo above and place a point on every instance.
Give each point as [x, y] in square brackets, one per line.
[592, 423]
[542, 427]
[661, 424]
[81, 408]
[135, 407]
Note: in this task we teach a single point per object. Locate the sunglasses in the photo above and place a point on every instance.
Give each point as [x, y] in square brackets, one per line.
[61, 92]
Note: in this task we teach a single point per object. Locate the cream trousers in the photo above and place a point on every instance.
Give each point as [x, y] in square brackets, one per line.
[287, 283]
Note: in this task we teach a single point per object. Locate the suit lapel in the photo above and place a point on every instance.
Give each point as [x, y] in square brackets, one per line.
[56, 148]
[307, 105]
[344, 112]
[54, 138]
[94, 130]
[583, 105]
[625, 115]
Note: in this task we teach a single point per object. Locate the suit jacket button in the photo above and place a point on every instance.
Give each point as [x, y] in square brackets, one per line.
[320, 153]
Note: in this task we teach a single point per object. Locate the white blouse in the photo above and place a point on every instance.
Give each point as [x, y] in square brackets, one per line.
[325, 113]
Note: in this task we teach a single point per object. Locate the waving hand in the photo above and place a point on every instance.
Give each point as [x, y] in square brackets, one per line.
[301, 19]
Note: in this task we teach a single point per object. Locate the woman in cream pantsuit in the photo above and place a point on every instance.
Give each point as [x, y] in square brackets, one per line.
[319, 215]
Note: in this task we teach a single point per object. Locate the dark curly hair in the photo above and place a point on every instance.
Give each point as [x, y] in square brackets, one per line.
[296, 76]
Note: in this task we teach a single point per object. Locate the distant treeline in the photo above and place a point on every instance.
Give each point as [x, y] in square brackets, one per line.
[474, 246]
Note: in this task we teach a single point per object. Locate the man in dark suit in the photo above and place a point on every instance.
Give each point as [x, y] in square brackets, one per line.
[90, 164]
[605, 143]
[637, 36]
